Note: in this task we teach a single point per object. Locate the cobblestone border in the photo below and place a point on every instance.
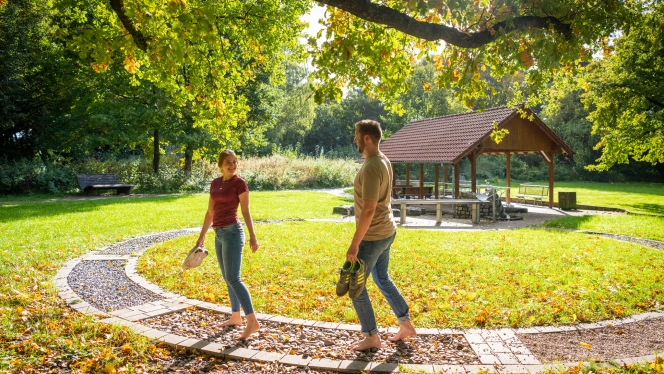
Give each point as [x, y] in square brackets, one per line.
[499, 350]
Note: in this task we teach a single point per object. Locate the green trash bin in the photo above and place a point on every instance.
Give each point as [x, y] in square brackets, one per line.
[567, 200]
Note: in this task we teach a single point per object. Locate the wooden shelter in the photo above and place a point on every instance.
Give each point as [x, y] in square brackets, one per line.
[448, 140]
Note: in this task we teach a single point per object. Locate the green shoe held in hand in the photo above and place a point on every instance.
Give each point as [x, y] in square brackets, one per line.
[358, 278]
[344, 279]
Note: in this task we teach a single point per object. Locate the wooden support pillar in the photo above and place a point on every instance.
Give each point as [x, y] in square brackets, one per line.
[407, 174]
[473, 172]
[457, 174]
[394, 180]
[446, 169]
[551, 195]
[436, 177]
[507, 177]
[421, 181]
[548, 157]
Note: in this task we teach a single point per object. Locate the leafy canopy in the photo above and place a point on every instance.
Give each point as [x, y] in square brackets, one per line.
[372, 44]
[201, 53]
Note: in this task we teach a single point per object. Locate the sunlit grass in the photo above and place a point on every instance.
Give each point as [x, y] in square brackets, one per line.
[37, 238]
[630, 225]
[517, 278]
[635, 197]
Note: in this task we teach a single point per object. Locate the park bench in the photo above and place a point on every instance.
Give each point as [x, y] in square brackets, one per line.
[91, 183]
[532, 192]
[403, 192]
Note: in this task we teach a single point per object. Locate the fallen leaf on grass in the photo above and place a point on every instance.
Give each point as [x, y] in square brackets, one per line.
[586, 345]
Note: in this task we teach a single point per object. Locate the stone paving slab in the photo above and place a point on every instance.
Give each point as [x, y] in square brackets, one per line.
[499, 350]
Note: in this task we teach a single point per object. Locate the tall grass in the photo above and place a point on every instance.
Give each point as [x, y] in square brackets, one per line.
[279, 172]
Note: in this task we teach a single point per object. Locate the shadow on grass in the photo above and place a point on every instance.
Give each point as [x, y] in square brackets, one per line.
[41, 209]
[649, 208]
[569, 222]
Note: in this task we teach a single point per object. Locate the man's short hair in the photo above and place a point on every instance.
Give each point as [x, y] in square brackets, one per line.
[371, 128]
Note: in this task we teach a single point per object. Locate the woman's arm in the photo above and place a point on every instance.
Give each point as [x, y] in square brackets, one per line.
[207, 222]
[244, 205]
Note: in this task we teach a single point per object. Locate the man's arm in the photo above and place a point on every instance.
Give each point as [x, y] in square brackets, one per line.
[361, 228]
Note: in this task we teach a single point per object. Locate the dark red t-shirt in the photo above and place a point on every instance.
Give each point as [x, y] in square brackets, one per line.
[225, 196]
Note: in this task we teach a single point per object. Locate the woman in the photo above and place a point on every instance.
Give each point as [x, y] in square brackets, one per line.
[226, 193]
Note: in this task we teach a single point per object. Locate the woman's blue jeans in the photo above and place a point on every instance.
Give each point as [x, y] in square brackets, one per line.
[377, 256]
[229, 243]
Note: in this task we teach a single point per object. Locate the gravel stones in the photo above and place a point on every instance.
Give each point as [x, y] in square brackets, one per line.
[606, 343]
[134, 245]
[284, 338]
[105, 285]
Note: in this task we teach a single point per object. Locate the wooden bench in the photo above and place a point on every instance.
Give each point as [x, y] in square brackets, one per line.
[91, 183]
[475, 204]
[532, 192]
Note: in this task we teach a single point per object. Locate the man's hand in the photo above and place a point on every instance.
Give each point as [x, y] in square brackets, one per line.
[351, 254]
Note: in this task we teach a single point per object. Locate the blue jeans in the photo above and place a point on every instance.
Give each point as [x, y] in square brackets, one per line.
[377, 256]
[229, 243]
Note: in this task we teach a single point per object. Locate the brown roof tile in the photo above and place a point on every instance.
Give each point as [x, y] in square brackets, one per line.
[442, 139]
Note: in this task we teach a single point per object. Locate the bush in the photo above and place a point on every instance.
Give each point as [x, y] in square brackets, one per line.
[276, 172]
[279, 172]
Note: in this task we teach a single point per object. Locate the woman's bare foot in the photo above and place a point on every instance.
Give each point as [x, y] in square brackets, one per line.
[235, 320]
[406, 330]
[367, 343]
[252, 327]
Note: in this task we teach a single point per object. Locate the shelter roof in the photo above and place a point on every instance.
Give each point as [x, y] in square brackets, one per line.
[450, 138]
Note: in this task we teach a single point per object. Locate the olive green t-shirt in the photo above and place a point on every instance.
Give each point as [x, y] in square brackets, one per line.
[374, 182]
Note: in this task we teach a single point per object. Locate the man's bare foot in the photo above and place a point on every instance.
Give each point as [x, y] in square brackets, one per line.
[252, 327]
[367, 343]
[406, 330]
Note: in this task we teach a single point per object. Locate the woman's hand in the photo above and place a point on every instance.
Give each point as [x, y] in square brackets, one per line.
[253, 244]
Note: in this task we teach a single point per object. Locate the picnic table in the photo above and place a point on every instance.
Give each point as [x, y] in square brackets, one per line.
[475, 205]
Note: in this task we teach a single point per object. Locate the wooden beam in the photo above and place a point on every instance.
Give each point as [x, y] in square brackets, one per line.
[436, 176]
[421, 181]
[473, 172]
[551, 181]
[407, 174]
[394, 180]
[508, 177]
[457, 174]
[446, 169]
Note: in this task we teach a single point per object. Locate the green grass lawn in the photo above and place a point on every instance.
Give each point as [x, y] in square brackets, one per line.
[635, 197]
[37, 237]
[631, 225]
[451, 279]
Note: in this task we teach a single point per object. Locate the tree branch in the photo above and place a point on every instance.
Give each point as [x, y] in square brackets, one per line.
[376, 13]
[140, 39]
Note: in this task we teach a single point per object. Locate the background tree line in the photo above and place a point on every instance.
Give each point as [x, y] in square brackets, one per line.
[62, 112]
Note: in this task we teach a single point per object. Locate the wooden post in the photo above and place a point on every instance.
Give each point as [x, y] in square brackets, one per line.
[394, 180]
[446, 169]
[457, 173]
[551, 180]
[473, 171]
[421, 181]
[507, 177]
[436, 177]
[548, 157]
[407, 174]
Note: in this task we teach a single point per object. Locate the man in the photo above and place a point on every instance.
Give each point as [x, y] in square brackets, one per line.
[374, 233]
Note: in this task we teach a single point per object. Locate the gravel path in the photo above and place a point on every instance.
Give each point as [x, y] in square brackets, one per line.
[131, 246]
[646, 242]
[105, 285]
[606, 343]
[316, 342]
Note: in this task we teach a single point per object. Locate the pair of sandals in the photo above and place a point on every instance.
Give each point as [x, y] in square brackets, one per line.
[352, 278]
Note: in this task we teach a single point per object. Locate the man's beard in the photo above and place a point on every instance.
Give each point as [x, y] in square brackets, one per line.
[360, 146]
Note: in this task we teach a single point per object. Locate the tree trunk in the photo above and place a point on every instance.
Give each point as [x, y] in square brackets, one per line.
[188, 159]
[157, 153]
